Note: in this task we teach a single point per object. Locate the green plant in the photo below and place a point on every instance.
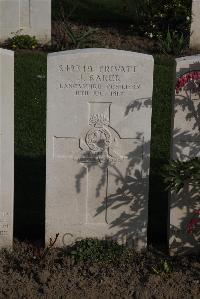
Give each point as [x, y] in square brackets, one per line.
[172, 43]
[22, 42]
[177, 173]
[98, 250]
[163, 267]
[64, 36]
[78, 40]
[145, 17]
[160, 15]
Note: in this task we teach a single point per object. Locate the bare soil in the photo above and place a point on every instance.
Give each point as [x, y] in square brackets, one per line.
[25, 273]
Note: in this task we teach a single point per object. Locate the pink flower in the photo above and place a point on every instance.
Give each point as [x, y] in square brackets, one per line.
[191, 225]
[182, 80]
[197, 212]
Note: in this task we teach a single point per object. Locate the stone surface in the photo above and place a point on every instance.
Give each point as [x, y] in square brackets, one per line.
[32, 17]
[6, 146]
[185, 145]
[99, 105]
[195, 25]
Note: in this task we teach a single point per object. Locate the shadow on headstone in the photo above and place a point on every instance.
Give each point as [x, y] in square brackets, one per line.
[185, 146]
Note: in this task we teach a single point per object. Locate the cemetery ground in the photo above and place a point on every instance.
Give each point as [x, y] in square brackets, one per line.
[88, 271]
[96, 270]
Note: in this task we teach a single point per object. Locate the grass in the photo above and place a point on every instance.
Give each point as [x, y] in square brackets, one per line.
[30, 103]
[30, 128]
[160, 148]
[162, 104]
[30, 131]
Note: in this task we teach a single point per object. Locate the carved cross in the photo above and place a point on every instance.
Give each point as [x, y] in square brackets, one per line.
[98, 149]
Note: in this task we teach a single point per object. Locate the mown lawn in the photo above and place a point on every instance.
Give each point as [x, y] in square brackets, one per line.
[30, 129]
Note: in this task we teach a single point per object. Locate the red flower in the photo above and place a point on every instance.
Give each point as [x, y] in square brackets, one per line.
[182, 80]
[197, 212]
[191, 225]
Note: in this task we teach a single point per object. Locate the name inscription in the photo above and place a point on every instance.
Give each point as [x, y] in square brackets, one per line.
[4, 226]
[102, 80]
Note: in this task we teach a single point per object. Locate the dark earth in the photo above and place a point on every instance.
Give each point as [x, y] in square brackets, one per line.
[28, 272]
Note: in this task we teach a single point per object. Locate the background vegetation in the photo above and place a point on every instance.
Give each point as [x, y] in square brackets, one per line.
[146, 17]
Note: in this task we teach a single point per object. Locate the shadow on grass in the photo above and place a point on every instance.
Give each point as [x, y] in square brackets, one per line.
[29, 200]
[158, 210]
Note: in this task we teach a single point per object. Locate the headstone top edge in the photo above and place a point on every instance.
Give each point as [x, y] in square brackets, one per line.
[99, 51]
[5, 51]
[187, 58]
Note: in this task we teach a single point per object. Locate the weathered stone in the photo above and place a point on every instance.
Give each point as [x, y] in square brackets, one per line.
[185, 146]
[32, 17]
[6, 146]
[195, 25]
[99, 107]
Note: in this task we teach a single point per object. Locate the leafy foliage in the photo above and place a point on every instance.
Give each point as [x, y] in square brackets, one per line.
[99, 250]
[22, 42]
[177, 173]
[78, 40]
[173, 43]
[66, 37]
[150, 18]
[161, 16]
[163, 267]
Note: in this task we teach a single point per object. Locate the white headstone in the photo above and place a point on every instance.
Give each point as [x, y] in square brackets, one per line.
[32, 17]
[6, 146]
[195, 25]
[99, 107]
[185, 146]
